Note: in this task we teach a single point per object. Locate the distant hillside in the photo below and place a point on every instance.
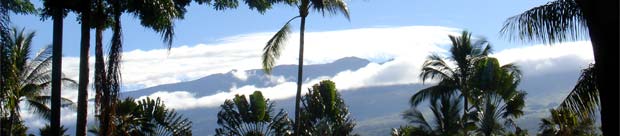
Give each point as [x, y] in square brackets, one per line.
[224, 81]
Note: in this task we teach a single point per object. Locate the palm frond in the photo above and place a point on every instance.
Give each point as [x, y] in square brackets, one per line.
[39, 108]
[274, 46]
[556, 21]
[331, 7]
[414, 116]
[513, 70]
[443, 88]
[583, 100]
[436, 67]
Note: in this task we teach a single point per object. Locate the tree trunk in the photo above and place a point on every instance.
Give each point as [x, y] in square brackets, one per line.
[56, 68]
[602, 21]
[82, 110]
[300, 69]
[4, 21]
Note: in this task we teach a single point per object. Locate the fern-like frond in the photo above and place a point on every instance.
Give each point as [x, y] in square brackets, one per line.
[274, 47]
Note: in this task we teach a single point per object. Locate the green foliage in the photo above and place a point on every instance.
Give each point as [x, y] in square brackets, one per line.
[583, 100]
[147, 117]
[274, 46]
[45, 131]
[253, 118]
[564, 123]
[324, 112]
[464, 54]
[499, 99]
[18, 6]
[25, 79]
[447, 121]
[479, 80]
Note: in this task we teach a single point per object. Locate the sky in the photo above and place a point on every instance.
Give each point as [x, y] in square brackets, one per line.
[204, 25]
[209, 42]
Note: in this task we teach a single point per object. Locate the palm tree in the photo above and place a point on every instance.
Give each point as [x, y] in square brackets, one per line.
[253, 118]
[324, 112]
[108, 12]
[57, 11]
[445, 109]
[27, 78]
[84, 9]
[464, 53]
[563, 20]
[495, 87]
[564, 123]
[583, 100]
[147, 117]
[274, 46]
[6, 7]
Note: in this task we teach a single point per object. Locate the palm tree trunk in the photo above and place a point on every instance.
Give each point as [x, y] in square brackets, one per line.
[83, 79]
[602, 21]
[56, 68]
[300, 69]
[4, 34]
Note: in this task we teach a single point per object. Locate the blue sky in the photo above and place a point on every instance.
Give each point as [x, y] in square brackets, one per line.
[204, 25]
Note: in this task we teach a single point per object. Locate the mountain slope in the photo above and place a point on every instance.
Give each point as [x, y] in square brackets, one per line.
[211, 84]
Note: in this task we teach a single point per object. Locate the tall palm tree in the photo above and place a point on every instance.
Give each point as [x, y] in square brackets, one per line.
[253, 118]
[28, 77]
[464, 53]
[324, 112]
[57, 10]
[583, 100]
[446, 111]
[6, 7]
[274, 46]
[563, 20]
[108, 12]
[84, 9]
[564, 123]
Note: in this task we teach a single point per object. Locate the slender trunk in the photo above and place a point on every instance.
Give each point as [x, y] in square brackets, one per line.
[300, 70]
[83, 79]
[602, 21]
[4, 21]
[56, 68]
[465, 111]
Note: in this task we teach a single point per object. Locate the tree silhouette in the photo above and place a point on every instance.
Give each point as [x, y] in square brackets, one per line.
[563, 20]
[464, 52]
[499, 99]
[157, 15]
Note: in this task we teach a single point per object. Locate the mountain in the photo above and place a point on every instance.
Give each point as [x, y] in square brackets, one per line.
[211, 84]
[375, 109]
